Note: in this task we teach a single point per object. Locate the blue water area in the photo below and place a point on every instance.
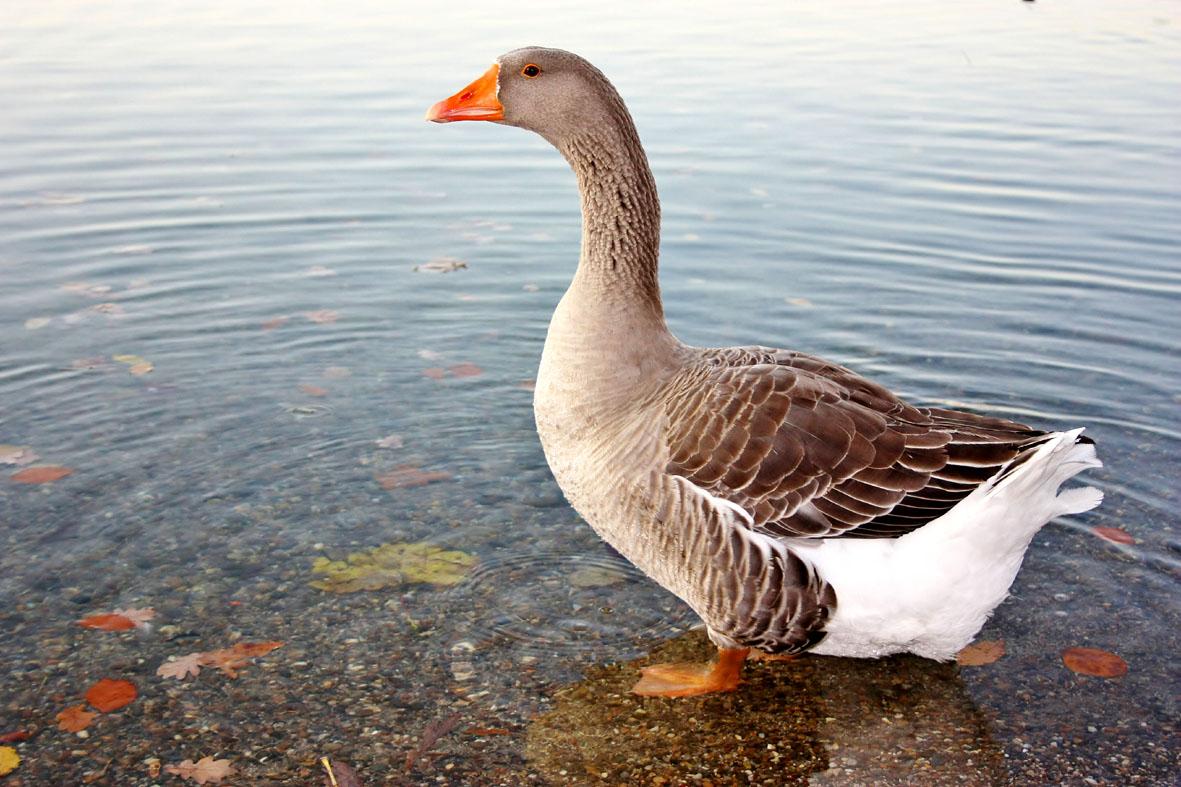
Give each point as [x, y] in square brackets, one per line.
[218, 224]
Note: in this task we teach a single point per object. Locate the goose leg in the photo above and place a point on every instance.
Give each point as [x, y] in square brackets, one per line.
[687, 680]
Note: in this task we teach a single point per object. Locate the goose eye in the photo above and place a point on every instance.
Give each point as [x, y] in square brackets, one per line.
[530, 71]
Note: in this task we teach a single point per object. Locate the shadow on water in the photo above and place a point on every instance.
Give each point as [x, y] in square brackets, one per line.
[815, 720]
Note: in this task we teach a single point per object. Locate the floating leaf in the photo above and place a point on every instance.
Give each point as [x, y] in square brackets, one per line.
[273, 323]
[181, 667]
[9, 760]
[313, 390]
[466, 370]
[389, 441]
[408, 476]
[979, 653]
[18, 455]
[108, 695]
[390, 565]
[1114, 535]
[1092, 661]
[74, 719]
[441, 265]
[203, 770]
[435, 373]
[140, 369]
[41, 474]
[527, 385]
[323, 316]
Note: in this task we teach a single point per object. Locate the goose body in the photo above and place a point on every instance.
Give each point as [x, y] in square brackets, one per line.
[793, 504]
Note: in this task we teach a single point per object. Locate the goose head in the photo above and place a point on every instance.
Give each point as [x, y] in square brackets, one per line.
[549, 91]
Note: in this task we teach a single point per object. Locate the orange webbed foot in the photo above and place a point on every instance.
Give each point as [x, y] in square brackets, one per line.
[688, 680]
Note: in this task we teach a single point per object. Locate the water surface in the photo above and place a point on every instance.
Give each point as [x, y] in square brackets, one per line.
[975, 203]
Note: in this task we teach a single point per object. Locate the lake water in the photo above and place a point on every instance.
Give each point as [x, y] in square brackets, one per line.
[210, 220]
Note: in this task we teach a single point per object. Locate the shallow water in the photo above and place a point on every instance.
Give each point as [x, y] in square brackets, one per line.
[975, 203]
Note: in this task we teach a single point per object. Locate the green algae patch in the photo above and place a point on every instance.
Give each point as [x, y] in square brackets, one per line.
[390, 565]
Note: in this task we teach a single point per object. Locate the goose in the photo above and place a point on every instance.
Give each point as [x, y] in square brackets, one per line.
[793, 504]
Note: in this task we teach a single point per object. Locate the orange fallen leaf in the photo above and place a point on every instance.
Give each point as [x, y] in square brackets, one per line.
[273, 323]
[313, 390]
[141, 368]
[120, 619]
[74, 718]
[1095, 662]
[408, 476]
[466, 370]
[16, 736]
[483, 731]
[107, 622]
[203, 770]
[435, 373]
[108, 695]
[230, 660]
[41, 474]
[979, 653]
[1114, 535]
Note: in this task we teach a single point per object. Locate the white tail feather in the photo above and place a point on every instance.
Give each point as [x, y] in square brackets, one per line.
[930, 591]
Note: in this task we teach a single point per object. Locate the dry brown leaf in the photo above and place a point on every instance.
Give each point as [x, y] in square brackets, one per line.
[18, 455]
[389, 441]
[466, 370]
[203, 770]
[181, 667]
[323, 316]
[41, 474]
[137, 615]
[979, 653]
[407, 476]
[108, 695]
[1114, 535]
[74, 718]
[1094, 662]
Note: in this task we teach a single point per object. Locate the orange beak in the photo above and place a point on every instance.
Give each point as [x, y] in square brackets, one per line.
[477, 101]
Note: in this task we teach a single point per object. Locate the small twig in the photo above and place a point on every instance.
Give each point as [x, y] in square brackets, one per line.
[331, 775]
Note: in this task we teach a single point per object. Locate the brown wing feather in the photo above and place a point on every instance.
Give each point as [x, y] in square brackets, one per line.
[810, 448]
